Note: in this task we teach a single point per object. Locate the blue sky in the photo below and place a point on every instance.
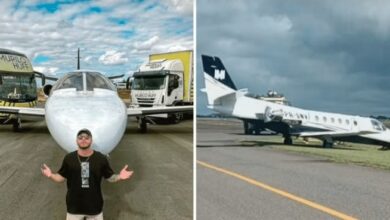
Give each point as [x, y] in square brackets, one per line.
[322, 55]
[114, 36]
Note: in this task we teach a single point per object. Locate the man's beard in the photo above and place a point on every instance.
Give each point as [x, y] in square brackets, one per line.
[84, 148]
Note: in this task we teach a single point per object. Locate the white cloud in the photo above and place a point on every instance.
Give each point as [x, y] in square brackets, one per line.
[151, 24]
[176, 44]
[146, 45]
[176, 48]
[275, 24]
[113, 57]
[88, 59]
[46, 70]
[184, 7]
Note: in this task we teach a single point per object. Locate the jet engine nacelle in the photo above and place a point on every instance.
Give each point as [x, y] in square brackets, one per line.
[273, 115]
[47, 89]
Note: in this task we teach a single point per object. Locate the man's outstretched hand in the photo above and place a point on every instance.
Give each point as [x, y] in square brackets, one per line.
[125, 174]
[46, 171]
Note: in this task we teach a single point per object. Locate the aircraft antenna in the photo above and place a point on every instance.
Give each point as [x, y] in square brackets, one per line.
[78, 58]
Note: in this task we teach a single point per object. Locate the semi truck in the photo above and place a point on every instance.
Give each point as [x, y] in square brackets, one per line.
[165, 80]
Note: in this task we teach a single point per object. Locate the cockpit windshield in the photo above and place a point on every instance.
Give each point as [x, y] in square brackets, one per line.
[96, 80]
[72, 80]
[79, 80]
[377, 125]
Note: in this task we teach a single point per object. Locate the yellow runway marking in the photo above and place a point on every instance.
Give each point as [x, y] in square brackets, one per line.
[280, 192]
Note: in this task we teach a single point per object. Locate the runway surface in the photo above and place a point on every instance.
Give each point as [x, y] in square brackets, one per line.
[252, 182]
[161, 187]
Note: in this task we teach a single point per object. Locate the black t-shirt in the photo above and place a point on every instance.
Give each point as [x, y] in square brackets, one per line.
[83, 179]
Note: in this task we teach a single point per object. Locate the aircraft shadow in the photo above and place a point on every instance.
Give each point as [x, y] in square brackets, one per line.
[319, 146]
[270, 143]
[35, 130]
[226, 145]
[158, 130]
[26, 128]
[241, 134]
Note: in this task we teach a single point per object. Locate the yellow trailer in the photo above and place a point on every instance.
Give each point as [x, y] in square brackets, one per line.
[186, 57]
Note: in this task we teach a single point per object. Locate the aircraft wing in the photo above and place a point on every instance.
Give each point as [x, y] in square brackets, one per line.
[44, 77]
[332, 133]
[23, 111]
[158, 110]
[116, 76]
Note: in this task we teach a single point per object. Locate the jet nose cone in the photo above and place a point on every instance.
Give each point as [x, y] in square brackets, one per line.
[106, 118]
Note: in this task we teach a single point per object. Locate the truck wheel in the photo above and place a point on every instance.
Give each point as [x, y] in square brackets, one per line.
[176, 117]
[142, 125]
[246, 129]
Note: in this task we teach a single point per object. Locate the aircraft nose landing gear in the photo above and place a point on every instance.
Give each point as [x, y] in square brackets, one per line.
[142, 125]
[17, 124]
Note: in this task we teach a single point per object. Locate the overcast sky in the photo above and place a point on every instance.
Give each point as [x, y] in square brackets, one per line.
[322, 55]
[115, 36]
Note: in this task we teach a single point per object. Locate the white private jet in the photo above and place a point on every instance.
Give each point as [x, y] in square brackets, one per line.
[223, 97]
[87, 99]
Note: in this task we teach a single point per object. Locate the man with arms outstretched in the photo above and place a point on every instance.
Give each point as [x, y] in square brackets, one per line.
[83, 170]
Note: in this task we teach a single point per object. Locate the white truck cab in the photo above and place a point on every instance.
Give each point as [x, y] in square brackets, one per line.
[158, 83]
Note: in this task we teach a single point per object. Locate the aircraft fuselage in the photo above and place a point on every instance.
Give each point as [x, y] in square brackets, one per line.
[101, 111]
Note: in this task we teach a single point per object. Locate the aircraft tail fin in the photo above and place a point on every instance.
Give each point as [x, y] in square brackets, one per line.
[214, 67]
[217, 80]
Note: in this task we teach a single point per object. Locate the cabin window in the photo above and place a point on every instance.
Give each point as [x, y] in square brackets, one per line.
[355, 123]
[340, 121]
[324, 118]
[317, 118]
[347, 121]
[332, 119]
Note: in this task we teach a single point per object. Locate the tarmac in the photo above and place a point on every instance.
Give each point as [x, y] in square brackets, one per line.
[237, 181]
[161, 187]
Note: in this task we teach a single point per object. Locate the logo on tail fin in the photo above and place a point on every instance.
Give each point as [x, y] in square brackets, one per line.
[219, 74]
[213, 67]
